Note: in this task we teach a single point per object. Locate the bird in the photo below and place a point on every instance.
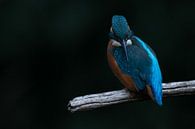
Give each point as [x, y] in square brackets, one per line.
[133, 61]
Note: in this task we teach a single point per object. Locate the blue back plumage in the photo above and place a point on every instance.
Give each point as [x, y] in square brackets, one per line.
[120, 26]
[142, 66]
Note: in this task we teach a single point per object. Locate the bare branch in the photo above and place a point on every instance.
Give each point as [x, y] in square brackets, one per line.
[93, 101]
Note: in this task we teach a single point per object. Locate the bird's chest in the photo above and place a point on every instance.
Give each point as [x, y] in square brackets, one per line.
[137, 59]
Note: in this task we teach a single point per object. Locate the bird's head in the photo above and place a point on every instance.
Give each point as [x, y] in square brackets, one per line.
[120, 33]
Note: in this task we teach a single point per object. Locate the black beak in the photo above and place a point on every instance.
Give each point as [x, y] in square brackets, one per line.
[125, 48]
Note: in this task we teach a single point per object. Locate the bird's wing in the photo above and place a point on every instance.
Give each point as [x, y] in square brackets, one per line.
[125, 79]
[131, 67]
[149, 70]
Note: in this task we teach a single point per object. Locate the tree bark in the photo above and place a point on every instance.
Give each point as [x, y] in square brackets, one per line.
[88, 102]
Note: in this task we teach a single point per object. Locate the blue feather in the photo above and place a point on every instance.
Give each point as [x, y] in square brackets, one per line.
[142, 66]
[120, 26]
[153, 77]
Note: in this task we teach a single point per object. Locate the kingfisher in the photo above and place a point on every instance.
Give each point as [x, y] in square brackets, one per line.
[133, 61]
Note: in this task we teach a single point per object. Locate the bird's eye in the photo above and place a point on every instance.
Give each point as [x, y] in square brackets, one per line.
[129, 42]
[116, 44]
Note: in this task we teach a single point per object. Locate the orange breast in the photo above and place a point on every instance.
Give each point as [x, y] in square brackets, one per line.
[126, 80]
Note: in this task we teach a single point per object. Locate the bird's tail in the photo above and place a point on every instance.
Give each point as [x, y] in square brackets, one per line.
[157, 99]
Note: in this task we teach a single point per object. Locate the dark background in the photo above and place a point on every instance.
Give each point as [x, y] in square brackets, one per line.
[54, 50]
